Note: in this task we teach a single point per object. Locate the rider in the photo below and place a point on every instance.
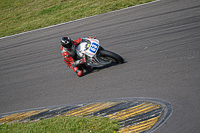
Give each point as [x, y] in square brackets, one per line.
[68, 52]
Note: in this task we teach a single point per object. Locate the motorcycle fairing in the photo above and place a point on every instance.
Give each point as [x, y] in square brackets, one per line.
[93, 47]
[90, 47]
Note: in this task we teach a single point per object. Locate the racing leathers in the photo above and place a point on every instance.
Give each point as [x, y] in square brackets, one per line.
[70, 58]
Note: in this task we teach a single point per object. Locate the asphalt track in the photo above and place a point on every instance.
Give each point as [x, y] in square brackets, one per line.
[160, 42]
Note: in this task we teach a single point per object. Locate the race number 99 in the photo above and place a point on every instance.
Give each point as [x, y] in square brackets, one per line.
[93, 47]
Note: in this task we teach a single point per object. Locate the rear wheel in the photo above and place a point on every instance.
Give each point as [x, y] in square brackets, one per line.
[111, 57]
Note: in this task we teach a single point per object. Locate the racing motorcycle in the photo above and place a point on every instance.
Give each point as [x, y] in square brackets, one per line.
[96, 55]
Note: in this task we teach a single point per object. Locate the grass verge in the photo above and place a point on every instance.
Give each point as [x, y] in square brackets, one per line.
[18, 16]
[64, 124]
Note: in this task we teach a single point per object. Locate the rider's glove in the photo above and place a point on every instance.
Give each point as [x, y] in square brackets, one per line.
[82, 61]
[79, 62]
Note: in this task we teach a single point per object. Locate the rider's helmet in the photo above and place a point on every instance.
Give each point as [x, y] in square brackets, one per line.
[66, 42]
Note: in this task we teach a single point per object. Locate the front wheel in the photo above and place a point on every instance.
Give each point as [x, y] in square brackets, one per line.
[111, 57]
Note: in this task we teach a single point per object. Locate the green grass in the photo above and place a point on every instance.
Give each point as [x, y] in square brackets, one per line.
[18, 16]
[64, 125]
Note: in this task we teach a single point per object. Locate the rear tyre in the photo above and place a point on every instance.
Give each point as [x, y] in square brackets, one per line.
[110, 56]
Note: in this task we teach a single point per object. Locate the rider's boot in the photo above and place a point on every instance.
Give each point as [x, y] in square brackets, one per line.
[87, 68]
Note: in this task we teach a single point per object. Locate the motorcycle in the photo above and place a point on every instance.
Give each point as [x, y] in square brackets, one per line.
[96, 55]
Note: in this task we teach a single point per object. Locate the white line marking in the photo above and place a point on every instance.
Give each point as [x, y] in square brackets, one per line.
[78, 20]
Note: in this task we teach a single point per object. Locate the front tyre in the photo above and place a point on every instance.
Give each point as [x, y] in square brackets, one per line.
[110, 56]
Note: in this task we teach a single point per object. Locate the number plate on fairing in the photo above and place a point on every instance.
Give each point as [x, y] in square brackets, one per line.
[93, 48]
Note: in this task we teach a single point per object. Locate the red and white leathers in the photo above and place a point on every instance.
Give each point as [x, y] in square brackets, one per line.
[69, 57]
